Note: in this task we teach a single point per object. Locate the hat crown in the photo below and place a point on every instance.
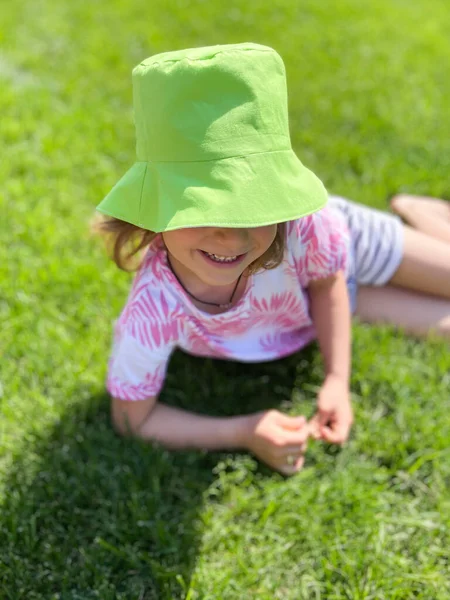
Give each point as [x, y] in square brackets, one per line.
[210, 103]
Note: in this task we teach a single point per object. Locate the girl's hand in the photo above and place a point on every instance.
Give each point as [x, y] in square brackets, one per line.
[278, 440]
[334, 416]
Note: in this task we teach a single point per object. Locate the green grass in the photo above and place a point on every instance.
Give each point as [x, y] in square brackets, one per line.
[84, 514]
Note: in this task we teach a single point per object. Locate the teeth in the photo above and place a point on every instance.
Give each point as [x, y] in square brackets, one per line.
[218, 258]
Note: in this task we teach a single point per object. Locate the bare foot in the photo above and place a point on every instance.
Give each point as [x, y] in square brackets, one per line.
[401, 203]
[407, 204]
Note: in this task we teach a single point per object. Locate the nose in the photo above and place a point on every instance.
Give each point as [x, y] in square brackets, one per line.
[234, 238]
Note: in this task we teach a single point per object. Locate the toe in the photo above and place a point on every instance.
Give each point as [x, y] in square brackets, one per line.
[400, 202]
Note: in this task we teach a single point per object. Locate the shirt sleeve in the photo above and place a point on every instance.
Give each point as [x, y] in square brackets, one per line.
[144, 338]
[320, 245]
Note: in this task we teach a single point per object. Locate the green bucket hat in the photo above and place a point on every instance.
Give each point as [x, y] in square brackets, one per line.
[213, 145]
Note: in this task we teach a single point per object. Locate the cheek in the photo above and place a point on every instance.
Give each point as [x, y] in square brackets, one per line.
[266, 236]
[170, 241]
[180, 242]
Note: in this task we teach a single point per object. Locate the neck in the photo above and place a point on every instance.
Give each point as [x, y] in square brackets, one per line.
[203, 292]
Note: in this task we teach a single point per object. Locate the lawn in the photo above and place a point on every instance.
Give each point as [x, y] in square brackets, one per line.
[85, 514]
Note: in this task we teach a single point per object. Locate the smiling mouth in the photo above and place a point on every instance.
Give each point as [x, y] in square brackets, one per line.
[218, 258]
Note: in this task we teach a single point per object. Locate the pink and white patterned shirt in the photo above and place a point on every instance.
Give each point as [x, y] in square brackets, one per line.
[270, 320]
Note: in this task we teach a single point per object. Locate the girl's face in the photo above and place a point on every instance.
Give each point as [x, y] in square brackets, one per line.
[217, 255]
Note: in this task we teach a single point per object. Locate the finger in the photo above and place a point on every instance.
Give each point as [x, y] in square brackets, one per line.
[292, 469]
[338, 435]
[294, 438]
[300, 462]
[314, 428]
[295, 450]
[323, 416]
[292, 423]
[321, 419]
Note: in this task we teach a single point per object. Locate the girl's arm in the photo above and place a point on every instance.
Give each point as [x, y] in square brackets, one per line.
[270, 435]
[330, 312]
[175, 428]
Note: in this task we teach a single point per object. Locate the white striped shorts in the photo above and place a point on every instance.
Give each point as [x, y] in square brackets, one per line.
[377, 242]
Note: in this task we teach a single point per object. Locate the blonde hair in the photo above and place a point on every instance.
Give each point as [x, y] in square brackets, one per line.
[126, 244]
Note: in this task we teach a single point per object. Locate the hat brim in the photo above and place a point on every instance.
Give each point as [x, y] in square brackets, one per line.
[244, 191]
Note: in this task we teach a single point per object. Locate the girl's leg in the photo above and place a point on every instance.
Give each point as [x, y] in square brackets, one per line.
[429, 215]
[425, 264]
[417, 297]
[414, 312]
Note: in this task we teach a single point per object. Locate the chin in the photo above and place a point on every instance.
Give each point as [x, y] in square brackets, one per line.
[224, 278]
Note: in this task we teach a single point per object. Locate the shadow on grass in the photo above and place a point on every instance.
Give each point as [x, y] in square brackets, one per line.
[91, 515]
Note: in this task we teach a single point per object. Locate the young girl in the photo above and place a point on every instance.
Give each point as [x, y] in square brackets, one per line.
[245, 257]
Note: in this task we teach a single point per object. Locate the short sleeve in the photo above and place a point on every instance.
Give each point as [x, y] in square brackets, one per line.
[136, 370]
[320, 244]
